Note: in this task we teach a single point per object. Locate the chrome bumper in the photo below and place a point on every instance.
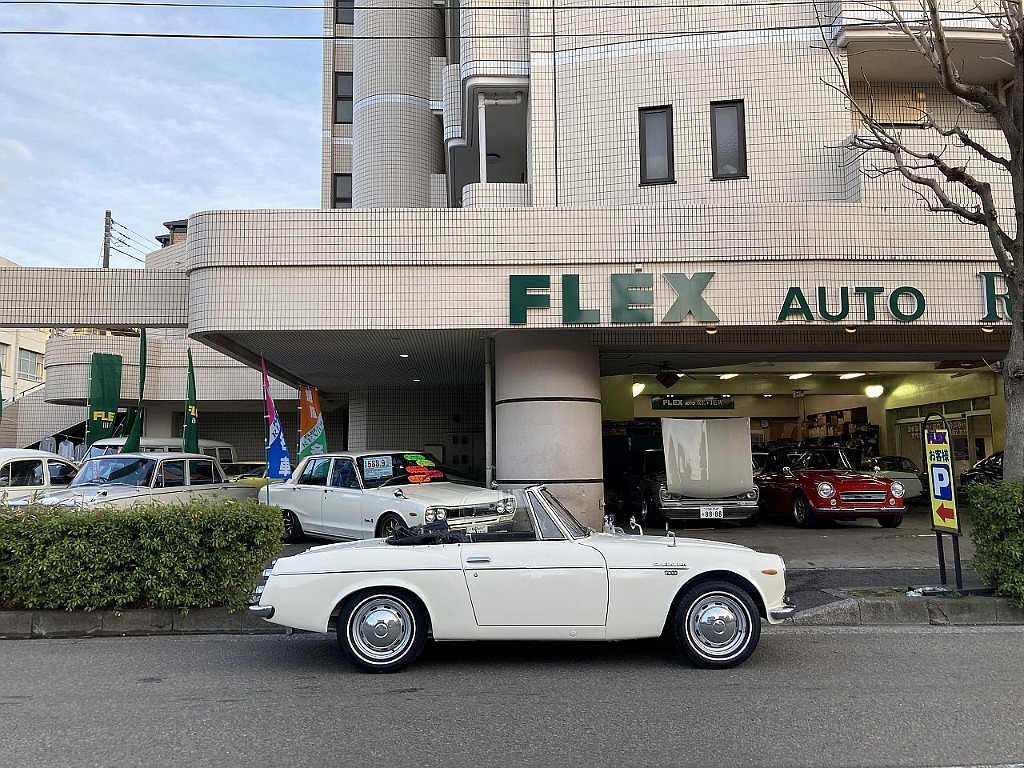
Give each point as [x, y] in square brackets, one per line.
[262, 611]
[785, 612]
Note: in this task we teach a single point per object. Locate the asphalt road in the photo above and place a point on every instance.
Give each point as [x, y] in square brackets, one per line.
[857, 697]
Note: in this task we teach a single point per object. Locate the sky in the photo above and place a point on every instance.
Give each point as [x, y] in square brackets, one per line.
[151, 129]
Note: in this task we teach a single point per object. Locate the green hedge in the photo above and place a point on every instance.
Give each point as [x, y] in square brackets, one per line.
[201, 554]
[998, 536]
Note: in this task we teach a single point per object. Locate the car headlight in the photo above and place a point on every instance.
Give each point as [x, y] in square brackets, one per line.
[826, 490]
[663, 493]
[897, 489]
[435, 515]
[506, 505]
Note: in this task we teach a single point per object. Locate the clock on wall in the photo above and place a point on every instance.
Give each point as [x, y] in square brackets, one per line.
[765, 423]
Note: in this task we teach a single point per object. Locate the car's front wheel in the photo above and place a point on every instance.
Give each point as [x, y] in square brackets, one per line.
[292, 527]
[803, 515]
[381, 630]
[387, 524]
[890, 521]
[649, 512]
[715, 625]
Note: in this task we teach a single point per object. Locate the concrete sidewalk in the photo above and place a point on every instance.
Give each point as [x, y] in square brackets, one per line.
[850, 573]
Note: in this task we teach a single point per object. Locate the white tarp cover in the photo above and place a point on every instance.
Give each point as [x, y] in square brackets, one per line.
[707, 458]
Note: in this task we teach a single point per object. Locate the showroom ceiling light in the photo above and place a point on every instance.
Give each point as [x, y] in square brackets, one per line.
[850, 328]
[874, 390]
[767, 395]
[799, 375]
[638, 387]
[711, 330]
[987, 328]
[726, 376]
[846, 376]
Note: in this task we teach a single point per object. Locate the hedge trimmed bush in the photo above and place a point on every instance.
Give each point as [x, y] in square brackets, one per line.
[200, 554]
[998, 536]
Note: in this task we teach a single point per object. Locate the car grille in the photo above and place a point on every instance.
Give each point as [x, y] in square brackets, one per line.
[855, 497]
[481, 510]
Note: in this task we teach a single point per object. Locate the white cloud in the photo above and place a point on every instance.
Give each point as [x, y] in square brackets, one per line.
[16, 148]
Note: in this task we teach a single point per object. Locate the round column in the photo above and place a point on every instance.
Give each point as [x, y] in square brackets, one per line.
[547, 417]
[396, 140]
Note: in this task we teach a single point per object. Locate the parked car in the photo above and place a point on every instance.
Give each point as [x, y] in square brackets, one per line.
[651, 501]
[27, 473]
[123, 479]
[365, 494]
[988, 470]
[814, 483]
[236, 469]
[223, 452]
[546, 577]
[899, 468]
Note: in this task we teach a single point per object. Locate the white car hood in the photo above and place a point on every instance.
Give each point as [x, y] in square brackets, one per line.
[92, 494]
[439, 493]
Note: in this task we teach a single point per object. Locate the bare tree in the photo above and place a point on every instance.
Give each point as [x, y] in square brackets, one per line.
[954, 185]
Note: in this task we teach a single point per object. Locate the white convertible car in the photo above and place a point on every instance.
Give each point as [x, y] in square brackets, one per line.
[123, 479]
[546, 577]
[369, 493]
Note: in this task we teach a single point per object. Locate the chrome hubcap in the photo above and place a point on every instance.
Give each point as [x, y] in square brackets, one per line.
[381, 628]
[718, 625]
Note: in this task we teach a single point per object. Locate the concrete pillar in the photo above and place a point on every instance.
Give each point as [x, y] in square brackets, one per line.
[547, 417]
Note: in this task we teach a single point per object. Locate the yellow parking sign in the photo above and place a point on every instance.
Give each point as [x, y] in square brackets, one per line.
[940, 480]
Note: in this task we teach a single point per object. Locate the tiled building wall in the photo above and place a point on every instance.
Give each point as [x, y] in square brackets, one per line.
[412, 419]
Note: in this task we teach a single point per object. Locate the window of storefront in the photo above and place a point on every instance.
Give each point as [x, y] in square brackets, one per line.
[970, 427]
[728, 140]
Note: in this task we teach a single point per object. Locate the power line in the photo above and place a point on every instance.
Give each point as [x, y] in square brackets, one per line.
[141, 243]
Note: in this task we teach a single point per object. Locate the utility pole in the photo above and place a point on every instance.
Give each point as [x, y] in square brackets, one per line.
[107, 221]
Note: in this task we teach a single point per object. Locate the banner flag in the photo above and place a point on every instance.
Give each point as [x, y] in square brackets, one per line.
[279, 463]
[312, 440]
[125, 427]
[104, 396]
[131, 443]
[190, 430]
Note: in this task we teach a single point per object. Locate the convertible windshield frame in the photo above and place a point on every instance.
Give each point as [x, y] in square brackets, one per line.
[563, 517]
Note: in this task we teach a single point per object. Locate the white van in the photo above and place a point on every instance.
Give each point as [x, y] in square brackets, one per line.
[223, 452]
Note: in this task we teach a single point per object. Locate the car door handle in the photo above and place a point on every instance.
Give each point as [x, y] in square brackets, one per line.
[478, 559]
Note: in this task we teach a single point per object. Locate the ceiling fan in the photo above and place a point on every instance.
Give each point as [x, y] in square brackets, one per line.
[667, 375]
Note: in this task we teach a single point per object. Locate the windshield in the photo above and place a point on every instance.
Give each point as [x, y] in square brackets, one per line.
[399, 468]
[575, 528]
[820, 460]
[123, 470]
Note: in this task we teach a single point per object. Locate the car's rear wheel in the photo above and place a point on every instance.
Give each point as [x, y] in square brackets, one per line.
[387, 524]
[803, 515]
[381, 630]
[715, 625]
[649, 512]
[292, 527]
[890, 521]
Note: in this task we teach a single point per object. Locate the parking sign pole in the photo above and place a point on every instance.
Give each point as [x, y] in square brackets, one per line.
[939, 459]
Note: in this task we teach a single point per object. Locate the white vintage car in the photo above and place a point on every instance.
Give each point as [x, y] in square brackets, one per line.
[30, 474]
[123, 479]
[368, 493]
[546, 577]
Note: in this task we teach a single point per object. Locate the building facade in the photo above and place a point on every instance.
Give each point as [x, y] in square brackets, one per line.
[530, 208]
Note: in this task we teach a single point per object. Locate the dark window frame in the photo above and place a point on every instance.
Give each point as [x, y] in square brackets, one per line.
[645, 177]
[741, 126]
[343, 98]
[341, 201]
[344, 11]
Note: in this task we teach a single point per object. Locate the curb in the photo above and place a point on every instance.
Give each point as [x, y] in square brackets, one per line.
[867, 611]
[919, 611]
[25, 625]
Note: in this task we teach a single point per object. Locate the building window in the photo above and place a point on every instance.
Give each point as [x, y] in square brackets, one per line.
[30, 364]
[342, 190]
[3, 357]
[343, 97]
[656, 162]
[728, 140]
[344, 11]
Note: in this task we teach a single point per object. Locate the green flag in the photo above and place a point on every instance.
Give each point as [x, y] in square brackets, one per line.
[104, 396]
[131, 443]
[190, 431]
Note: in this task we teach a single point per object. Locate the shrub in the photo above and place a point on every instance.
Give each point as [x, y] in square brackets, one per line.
[198, 554]
[998, 536]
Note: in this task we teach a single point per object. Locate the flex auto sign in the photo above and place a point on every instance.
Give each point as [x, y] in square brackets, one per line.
[631, 299]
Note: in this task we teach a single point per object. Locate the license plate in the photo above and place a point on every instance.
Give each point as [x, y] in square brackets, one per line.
[477, 529]
[711, 513]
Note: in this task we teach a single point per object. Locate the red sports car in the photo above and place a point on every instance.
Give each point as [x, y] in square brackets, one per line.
[813, 483]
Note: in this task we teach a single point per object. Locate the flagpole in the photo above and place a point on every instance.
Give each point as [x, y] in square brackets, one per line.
[266, 430]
